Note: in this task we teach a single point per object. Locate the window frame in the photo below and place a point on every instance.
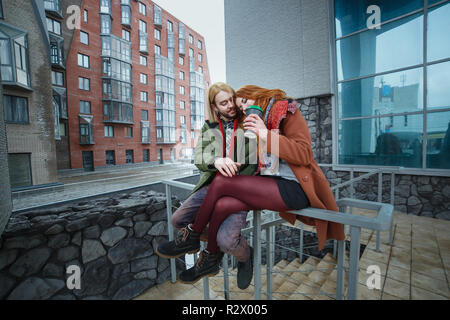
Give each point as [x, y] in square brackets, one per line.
[87, 37]
[423, 170]
[13, 112]
[83, 60]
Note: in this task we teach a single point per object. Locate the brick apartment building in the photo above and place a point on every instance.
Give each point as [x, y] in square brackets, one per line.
[135, 85]
[27, 94]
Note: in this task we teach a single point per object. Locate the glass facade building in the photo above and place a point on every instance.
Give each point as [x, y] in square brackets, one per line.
[393, 83]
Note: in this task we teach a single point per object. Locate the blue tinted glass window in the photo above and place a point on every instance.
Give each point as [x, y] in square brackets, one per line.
[396, 45]
[438, 140]
[390, 93]
[438, 86]
[351, 15]
[387, 141]
[438, 33]
[431, 2]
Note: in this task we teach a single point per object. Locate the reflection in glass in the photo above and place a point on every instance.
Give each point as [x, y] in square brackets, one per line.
[352, 16]
[438, 33]
[390, 93]
[438, 86]
[395, 45]
[430, 2]
[438, 140]
[389, 141]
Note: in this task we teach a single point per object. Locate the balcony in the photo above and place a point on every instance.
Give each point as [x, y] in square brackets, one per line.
[117, 112]
[157, 16]
[14, 52]
[57, 51]
[53, 7]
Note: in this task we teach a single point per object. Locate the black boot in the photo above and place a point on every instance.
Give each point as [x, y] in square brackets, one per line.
[245, 272]
[187, 241]
[206, 265]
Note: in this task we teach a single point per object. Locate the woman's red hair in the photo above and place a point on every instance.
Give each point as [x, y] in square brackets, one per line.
[261, 96]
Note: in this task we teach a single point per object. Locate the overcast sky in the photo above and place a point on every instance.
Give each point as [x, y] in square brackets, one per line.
[207, 18]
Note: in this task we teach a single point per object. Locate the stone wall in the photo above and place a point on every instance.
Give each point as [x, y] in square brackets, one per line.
[111, 240]
[419, 195]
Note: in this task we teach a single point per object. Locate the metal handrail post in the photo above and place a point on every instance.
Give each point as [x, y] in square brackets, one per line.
[205, 279]
[257, 252]
[380, 199]
[269, 260]
[170, 230]
[226, 281]
[391, 231]
[355, 233]
[301, 243]
[340, 271]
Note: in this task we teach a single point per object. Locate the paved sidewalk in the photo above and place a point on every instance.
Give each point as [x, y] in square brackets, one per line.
[82, 184]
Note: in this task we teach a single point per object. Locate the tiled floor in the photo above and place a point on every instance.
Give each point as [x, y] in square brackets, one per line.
[416, 266]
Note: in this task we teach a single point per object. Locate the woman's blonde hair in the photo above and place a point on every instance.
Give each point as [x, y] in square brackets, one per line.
[261, 96]
[213, 90]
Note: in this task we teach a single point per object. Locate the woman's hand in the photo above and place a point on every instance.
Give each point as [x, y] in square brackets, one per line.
[226, 166]
[254, 123]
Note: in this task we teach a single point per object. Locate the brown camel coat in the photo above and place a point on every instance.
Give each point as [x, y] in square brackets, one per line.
[294, 146]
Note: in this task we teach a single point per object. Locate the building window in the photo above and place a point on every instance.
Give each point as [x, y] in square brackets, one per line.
[143, 78]
[142, 9]
[144, 115]
[1, 10]
[181, 90]
[128, 132]
[83, 60]
[125, 35]
[181, 61]
[382, 118]
[157, 34]
[145, 132]
[144, 96]
[169, 26]
[62, 129]
[191, 39]
[105, 6]
[157, 50]
[159, 133]
[85, 15]
[54, 26]
[182, 105]
[146, 155]
[126, 13]
[110, 157]
[182, 119]
[191, 52]
[157, 15]
[84, 83]
[16, 109]
[142, 26]
[143, 60]
[143, 42]
[129, 157]
[86, 129]
[85, 107]
[200, 69]
[105, 24]
[200, 57]
[199, 44]
[14, 56]
[181, 75]
[109, 131]
[84, 38]
[58, 78]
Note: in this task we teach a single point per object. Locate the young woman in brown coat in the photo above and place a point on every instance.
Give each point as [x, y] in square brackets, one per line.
[289, 179]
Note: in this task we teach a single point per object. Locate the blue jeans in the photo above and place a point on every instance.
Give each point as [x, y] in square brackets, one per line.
[229, 237]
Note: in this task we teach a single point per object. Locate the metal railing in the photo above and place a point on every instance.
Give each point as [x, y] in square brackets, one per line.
[383, 221]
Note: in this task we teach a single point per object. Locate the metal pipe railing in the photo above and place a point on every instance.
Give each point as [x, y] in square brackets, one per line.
[381, 222]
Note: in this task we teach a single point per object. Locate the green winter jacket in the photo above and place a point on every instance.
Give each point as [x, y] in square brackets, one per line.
[210, 145]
